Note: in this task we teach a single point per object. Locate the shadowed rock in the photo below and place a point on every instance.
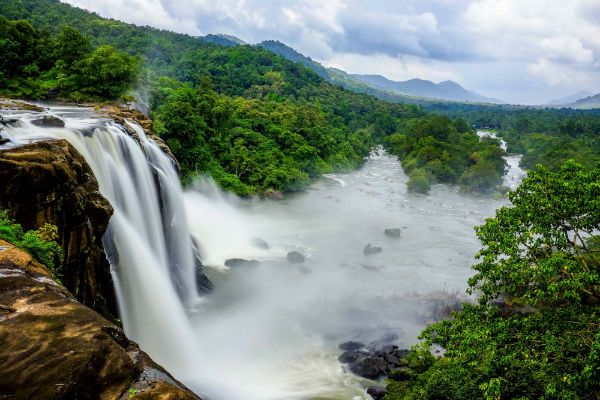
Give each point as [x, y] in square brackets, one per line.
[295, 257]
[50, 182]
[392, 232]
[376, 392]
[240, 262]
[368, 250]
[49, 121]
[260, 243]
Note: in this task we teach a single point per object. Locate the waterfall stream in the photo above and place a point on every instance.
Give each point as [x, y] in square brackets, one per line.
[147, 242]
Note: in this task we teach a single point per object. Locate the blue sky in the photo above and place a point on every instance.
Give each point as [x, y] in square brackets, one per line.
[521, 51]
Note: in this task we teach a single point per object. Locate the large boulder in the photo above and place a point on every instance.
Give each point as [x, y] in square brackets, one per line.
[374, 362]
[295, 257]
[50, 182]
[369, 250]
[49, 121]
[376, 392]
[53, 347]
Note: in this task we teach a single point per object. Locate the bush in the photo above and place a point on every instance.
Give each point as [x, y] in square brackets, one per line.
[535, 331]
[418, 181]
[40, 243]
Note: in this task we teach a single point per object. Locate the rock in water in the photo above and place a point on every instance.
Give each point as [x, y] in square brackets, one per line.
[393, 232]
[55, 348]
[368, 250]
[376, 392]
[203, 283]
[260, 243]
[304, 270]
[295, 257]
[49, 121]
[351, 346]
[240, 262]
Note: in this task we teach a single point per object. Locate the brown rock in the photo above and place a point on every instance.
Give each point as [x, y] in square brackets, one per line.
[55, 348]
[50, 182]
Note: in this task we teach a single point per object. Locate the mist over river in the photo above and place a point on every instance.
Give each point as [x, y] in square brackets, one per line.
[271, 331]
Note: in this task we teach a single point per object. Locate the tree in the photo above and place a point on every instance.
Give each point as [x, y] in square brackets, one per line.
[535, 331]
[105, 73]
[71, 46]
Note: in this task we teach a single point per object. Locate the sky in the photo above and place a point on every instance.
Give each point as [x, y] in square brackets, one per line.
[520, 51]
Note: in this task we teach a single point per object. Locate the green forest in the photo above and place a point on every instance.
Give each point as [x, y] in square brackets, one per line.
[252, 120]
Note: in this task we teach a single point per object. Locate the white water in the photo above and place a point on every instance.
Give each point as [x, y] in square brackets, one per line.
[150, 253]
[514, 174]
[271, 332]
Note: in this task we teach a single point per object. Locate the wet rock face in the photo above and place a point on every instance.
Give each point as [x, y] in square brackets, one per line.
[53, 347]
[50, 182]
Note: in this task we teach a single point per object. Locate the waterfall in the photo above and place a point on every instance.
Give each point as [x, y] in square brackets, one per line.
[147, 242]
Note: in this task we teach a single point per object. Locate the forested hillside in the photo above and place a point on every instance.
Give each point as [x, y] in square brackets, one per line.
[253, 120]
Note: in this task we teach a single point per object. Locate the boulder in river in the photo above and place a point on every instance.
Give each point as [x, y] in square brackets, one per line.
[376, 392]
[203, 283]
[295, 257]
[392, 232]
[368, 250]
[375, 362]
[260, 243]
[304, 270]
[350, 346]
[241, 262]
[49, 121]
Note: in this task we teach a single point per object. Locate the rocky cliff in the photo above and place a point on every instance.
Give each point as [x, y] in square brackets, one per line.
[50, 182]
[53, 347]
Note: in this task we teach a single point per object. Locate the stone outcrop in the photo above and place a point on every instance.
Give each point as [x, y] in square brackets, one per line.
[122, 114]
[50, 182]
[53, 347]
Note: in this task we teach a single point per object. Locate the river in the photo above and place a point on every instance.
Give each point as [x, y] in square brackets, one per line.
[271, 331]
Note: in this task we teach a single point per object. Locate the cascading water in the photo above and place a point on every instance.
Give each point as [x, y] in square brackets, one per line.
[147, 242]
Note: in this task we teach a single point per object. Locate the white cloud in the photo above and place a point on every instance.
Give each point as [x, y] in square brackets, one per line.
[520, 50]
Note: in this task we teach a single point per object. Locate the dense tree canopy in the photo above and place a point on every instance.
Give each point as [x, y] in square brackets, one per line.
[535, 330]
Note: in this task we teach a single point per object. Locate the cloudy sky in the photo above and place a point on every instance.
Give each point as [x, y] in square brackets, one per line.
[521, 51]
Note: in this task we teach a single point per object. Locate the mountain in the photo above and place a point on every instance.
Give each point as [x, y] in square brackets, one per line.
[586, 103]
[224, 40]
[378, 85]
[289, 53]
[447, 90]
[571, 99]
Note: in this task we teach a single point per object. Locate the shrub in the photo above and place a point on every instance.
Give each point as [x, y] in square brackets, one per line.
[40, 243]
[418, 181]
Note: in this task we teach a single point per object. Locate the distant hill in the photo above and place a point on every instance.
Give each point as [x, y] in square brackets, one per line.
[447, 90]
[586, 103]
[408, 91]
[287, 52]
[224, 40]
[571, 99]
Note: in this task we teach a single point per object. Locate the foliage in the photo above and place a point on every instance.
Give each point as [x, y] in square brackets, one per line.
[250, 118]
[535, 331]
[436, 149]
[40, 243]
[36, 65]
